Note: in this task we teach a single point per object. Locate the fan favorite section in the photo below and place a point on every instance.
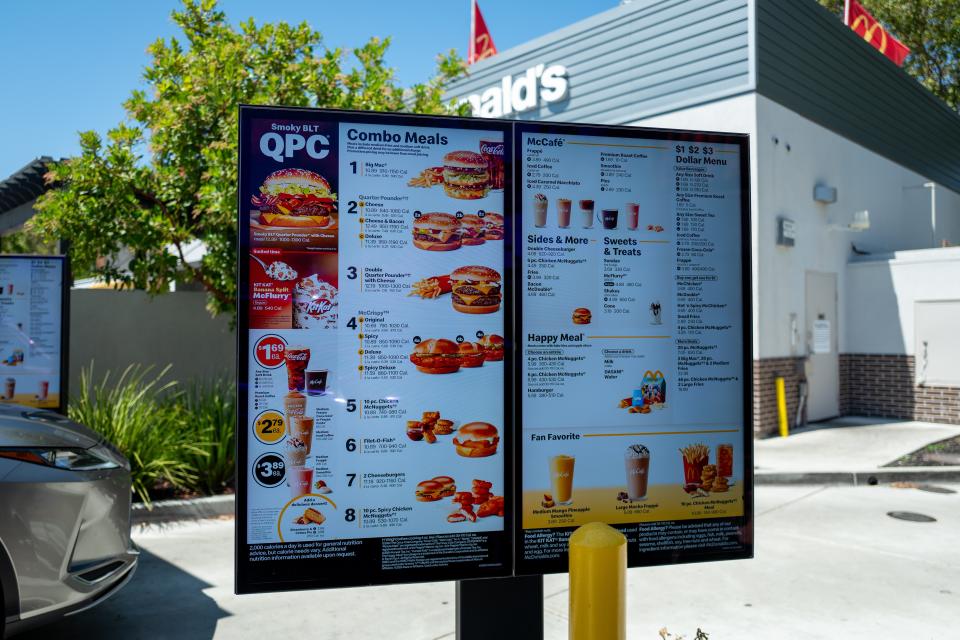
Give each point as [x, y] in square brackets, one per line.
[632, 343]
[376, 339]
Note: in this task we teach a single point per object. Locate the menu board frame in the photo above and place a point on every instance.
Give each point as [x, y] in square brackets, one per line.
[65, 285]
[745, 530]
[264, 578]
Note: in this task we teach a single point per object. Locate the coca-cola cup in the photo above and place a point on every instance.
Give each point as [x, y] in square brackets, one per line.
[492, 152]
[296, 359]
[44, 390]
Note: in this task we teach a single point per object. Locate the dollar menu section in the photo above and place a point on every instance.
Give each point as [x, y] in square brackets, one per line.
[373, 365]
[634, 337]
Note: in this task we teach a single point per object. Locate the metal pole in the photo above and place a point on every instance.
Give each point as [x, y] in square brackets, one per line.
[933, 212]
[500, 608]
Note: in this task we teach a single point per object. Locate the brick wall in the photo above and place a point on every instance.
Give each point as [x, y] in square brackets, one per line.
[765, 373]
[883, 386]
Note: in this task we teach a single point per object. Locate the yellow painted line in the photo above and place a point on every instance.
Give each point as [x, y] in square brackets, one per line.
[658, 433]
[638, 337]
[629, 146]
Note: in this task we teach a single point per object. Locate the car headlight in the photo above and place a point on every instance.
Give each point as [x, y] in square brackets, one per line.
[96, 458]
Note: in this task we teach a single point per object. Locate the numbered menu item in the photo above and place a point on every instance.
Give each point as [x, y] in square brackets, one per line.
[373, 378]
[632, 342]
[32, 321]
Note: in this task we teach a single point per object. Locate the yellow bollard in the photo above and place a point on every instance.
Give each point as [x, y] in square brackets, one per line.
[598, 583]
[782, 408]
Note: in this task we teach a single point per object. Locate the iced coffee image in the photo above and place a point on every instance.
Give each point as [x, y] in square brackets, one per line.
[561, 478]
[636, 462]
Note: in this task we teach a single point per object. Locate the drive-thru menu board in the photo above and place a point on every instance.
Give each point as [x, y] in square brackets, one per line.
[33, 303]
[372, 361]
[633, 333]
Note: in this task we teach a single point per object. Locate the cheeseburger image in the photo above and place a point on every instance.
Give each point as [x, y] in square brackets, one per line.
[465, 175]
[492, 347]
[472, 230]
[436, 356]
[429, 491]
[475, 289]
[494, 224]
[476, 440]
[436, 232]
[582, 315]
[295, 198]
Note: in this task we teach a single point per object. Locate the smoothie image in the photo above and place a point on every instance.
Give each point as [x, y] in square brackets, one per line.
[633, 215]
[586, 213]
[540, 210]
[296, 359]
[563, 212]
[561, 478]
[636, 461]
[294, 404]
[300, 481]
[301, 428]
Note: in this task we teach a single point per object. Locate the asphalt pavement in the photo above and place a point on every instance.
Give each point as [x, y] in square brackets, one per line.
[830, 563]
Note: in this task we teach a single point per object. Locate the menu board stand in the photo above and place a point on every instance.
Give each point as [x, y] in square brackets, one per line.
[517, 603]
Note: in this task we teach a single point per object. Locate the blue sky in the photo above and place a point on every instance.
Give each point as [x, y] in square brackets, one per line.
[67, 65]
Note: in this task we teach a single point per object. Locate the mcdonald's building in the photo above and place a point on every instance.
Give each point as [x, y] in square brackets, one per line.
[855, 178]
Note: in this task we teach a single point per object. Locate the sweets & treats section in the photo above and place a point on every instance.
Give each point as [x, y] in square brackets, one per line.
[631, 368]
[375, 431]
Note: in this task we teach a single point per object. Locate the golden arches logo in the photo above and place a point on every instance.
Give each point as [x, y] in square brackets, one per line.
[870, 30]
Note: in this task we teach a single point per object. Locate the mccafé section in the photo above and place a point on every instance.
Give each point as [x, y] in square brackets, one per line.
[854, 174]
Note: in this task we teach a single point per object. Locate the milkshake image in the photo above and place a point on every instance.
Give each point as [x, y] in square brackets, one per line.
[633, 215]
[294, 404]
[586, 213]
[563, 212]
[636, 462]
[561, 478]
[540, 210]
[300, 481]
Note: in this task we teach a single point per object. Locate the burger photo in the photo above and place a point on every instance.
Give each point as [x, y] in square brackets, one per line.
[472, 228]
[476, 440]
[436, 232]
[582, 315]
[448, 484]
[465, 175]
[436, 356]
[494, 226]
[429, 491]
[471, 354]
[295, 198]
[475, 289]
[492, 347]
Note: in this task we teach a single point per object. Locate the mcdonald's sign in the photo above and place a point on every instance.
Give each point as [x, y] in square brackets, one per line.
[868, 28]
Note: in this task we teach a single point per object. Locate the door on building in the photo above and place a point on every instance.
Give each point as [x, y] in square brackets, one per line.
[823, 361]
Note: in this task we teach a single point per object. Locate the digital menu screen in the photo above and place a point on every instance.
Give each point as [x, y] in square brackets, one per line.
[633, 333]
[373, 362]
[33, 304]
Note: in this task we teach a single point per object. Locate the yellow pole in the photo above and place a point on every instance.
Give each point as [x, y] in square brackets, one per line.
[782, 408]
[598, 583]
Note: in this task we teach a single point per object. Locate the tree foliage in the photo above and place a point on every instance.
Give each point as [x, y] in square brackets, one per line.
[931, 29]
[164, 180]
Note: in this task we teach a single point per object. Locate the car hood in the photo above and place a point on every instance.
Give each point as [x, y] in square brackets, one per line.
[27, 427]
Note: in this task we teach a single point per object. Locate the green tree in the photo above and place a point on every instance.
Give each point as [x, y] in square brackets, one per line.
[166, 176]
[931, 28]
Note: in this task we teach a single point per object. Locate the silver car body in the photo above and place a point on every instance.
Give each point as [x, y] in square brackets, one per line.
[64, 534]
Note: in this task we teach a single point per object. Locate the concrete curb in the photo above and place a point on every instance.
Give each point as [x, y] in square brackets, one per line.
[173, 510]
[857, 478]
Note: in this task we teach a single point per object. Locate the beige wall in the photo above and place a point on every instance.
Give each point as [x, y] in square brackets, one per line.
[118, 328]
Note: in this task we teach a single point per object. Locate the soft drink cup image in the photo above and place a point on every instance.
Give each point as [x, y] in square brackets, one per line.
[561, 478]
[296, 359]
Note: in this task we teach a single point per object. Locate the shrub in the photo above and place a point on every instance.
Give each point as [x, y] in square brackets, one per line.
[207, 413]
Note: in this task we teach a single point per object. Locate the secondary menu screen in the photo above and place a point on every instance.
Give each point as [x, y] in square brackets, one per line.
[632, 342]
[372, 349]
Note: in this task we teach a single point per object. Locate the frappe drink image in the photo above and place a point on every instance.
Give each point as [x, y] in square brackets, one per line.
[561, 478]
[563, 212]
[301, 428]
[636, 462]
[586, 213]
[540, 210]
